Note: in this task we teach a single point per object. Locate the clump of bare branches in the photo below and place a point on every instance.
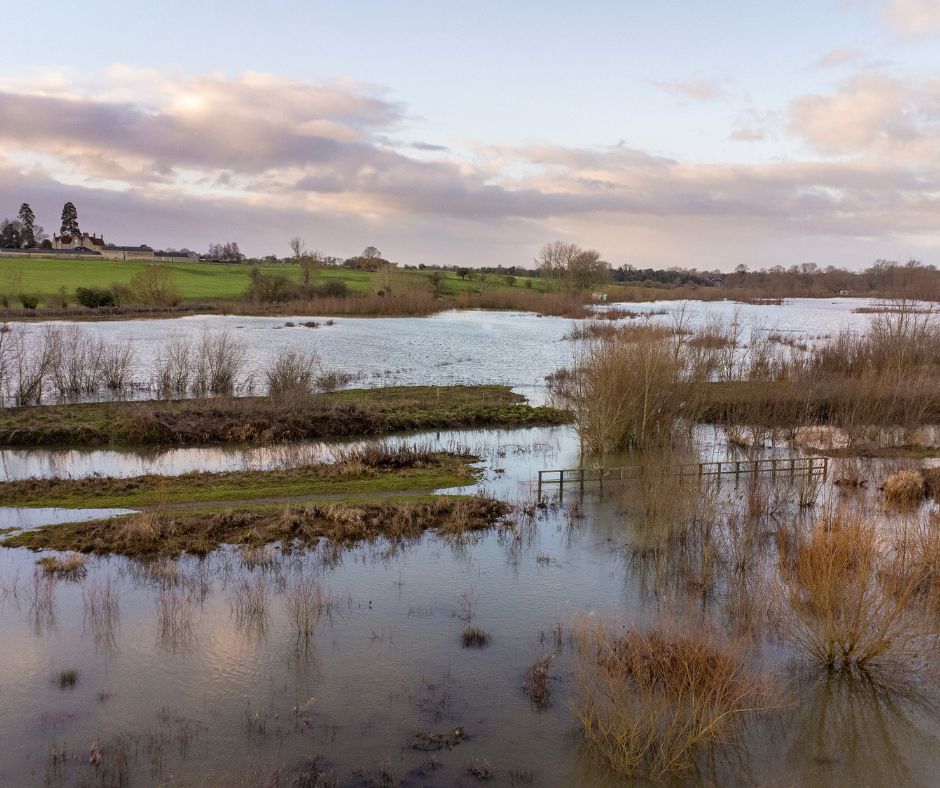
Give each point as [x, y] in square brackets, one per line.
[648, 700]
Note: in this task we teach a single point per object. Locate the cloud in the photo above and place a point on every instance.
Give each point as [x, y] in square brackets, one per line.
[914, 18]
[184, 160]
[839, 57]
[872, 113]
[697, 89]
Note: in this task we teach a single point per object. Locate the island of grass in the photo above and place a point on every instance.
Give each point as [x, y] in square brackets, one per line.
[259, 420]
[368, 471]
[169, 534]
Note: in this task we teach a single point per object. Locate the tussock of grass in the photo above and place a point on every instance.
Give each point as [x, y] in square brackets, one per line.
[68, 567]
[537, 685]
[904, 489]
[648, 700]
[66, 679]
[474, 637]
[152, 535]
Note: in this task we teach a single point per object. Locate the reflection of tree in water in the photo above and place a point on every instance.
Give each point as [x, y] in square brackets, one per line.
[851, 728]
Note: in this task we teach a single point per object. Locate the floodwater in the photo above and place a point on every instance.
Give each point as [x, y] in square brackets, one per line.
[516, 349]
[174, 686]
[177, 683]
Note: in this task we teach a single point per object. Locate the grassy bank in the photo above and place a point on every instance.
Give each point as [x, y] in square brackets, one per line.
[152, 535]
[372, 470]
[240, 420]
[224, 287]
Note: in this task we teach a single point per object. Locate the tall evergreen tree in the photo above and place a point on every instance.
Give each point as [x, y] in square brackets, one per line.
[70, 221]
[28, 221]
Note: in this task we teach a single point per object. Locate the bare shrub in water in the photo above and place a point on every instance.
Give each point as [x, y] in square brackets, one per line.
[626, 392]
[31, 367]
[292, 374]
[75, 361]
[904, 489]
[220, 359]
[648, 700]
[846, 600]
[116, 363]
[174, 367]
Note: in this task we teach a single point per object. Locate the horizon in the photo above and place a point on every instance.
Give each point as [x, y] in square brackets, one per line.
[701, 136]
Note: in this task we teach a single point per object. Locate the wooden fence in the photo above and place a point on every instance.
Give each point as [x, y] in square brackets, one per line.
[774, 466]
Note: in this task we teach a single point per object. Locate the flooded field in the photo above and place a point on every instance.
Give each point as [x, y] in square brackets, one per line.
[195, 671]
[467, 659]
[508, 348]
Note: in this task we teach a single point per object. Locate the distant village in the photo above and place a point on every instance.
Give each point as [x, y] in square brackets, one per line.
[24, 237]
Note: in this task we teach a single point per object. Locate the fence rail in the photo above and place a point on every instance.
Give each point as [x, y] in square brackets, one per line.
[788, 466]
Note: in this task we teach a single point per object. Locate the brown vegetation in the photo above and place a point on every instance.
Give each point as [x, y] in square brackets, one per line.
[352, 412]
[152, 535]
[67, 567]
[649, 699]
[633, 389]
[848, 598]
[904, 489]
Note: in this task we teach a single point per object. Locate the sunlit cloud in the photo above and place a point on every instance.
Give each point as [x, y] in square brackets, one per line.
[915, 18]
[177, 159]
[697, 89]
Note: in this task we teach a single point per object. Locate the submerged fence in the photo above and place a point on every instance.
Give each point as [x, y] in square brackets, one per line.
[774, 466]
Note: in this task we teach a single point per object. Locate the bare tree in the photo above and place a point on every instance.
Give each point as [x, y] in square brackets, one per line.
[298, 246]
[577, 267]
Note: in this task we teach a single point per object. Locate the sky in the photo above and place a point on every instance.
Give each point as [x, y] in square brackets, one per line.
[693, 134]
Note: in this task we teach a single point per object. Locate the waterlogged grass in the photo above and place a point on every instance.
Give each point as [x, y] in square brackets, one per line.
[151, 535]
[228, 420]
[429, 472]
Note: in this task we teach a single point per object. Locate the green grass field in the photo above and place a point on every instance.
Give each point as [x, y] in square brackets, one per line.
[44, 277]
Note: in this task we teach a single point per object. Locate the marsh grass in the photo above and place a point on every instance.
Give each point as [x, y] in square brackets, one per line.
[176, 618]
[904, 489]
[67, 567]
[474, 637]
[42, 599]
[537, 685]
[250, 604]
[307, 602]
[648, 700]
[368, 468]
[66, 679]
[101, 604]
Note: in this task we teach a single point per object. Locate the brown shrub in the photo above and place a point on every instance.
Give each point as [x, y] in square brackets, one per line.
[847, 599]
[904, 489]
[649, 699]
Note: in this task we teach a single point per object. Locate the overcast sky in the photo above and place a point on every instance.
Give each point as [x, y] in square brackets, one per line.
[695, 133]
